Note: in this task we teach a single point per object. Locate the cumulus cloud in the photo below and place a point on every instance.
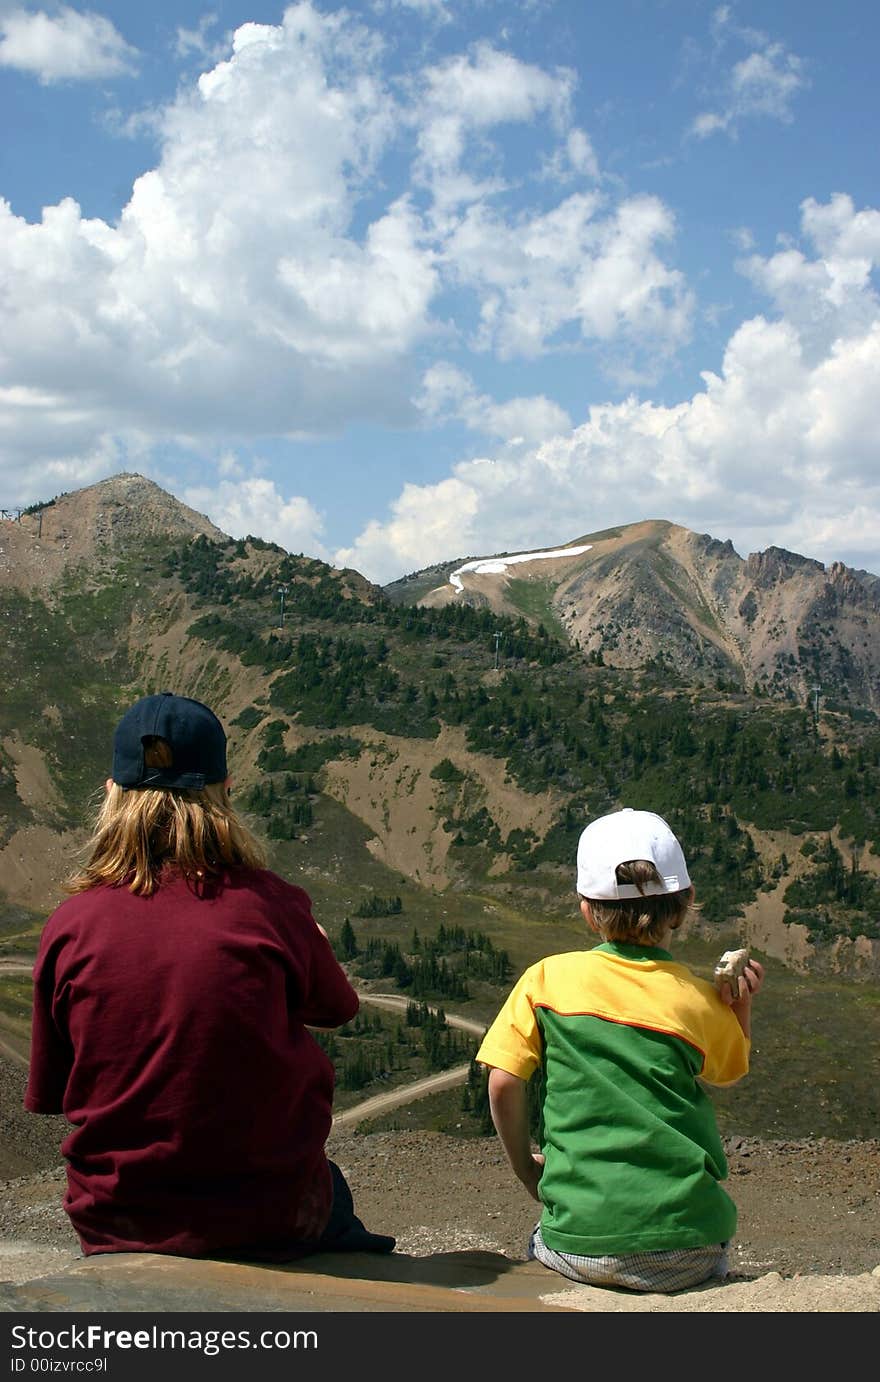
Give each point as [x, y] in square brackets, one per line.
[279, 269]
[762, 84]
[457, 102]
[448, 392]
[66, 46]
[785, 435]
[582, 264]
[831, 295]
[428, 523]
[232, 298]
[255, 507]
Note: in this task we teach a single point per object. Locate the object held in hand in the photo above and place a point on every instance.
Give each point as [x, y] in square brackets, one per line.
[729, 968]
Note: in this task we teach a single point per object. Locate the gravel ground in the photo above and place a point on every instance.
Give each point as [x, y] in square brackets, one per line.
[807, 1209]
[804, 1207]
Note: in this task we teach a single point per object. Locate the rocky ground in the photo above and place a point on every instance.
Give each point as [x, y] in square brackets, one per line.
[808, 1210]
[804, 1207]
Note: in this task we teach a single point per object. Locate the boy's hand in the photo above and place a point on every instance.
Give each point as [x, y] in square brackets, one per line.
[743, 989]
[749, 983]
[533, 1175]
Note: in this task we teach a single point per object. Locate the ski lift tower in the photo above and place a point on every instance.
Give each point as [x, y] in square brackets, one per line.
[497, 637]
[282, 591]
[815, 690]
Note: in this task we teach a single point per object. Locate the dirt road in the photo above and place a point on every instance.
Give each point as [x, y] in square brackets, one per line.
[399, 1003]
[431, 1084]
[381, 1103]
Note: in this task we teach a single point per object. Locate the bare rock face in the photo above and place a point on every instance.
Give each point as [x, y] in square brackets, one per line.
[657, 591]
[776, 564]
[93, 527]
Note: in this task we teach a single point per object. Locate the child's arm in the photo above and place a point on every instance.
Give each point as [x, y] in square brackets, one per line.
[331, 1001]
[51, 1055]
[510, 1114]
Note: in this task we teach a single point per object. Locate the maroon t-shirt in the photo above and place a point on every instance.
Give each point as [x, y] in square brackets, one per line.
[171, 1032]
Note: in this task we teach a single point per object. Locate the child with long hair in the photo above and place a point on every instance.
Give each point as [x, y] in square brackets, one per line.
[173, 993]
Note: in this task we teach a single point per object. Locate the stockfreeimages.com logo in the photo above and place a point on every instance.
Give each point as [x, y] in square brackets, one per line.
[97, 1339]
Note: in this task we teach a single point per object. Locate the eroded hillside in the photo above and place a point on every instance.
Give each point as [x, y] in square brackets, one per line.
[458, 749]
[775, 622]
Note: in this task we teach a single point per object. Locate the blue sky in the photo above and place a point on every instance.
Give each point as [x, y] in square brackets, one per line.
[414, 280]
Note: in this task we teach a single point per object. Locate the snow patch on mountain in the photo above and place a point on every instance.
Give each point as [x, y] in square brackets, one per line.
[496, 566]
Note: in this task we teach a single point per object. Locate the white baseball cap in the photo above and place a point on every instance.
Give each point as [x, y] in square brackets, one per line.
[619, 838]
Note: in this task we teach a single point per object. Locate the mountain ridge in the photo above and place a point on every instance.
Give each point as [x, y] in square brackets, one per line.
[775, 621]
[452, 747]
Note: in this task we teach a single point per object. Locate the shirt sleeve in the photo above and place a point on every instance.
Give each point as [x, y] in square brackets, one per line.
[51, 1057]
[514, 1042]
[322, 995]
[330, 1000]
[727, 1050]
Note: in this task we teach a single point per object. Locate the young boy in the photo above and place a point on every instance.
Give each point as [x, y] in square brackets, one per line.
[173, 992]
[631, 1166]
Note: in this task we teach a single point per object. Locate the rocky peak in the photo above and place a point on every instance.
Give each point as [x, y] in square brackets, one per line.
[776, 563]
[850, 587]
[94, 528]
[121, 509]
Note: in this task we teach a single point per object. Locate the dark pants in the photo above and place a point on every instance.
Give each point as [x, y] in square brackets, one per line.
[344, 1231]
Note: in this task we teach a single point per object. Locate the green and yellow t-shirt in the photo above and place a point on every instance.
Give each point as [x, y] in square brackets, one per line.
[634, 1159]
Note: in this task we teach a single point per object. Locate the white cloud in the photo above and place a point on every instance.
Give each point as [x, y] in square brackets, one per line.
[457, 102]
[228, 464]
[571, 161]
[779, 447]
[762, 84]
[198, 315]
[197, 40]
[67, 46]
[581, 265]
[831, 295]
[488, 87]
[765, 83]
[447, 392]
[275, 274]
[581, 154]
[426, 520]
[255, 507]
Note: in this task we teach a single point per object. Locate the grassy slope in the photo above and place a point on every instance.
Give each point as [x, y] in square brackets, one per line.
[814, 1064]
[73, 662]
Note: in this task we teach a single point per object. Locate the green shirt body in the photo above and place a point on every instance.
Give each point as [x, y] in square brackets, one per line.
[624, 1036]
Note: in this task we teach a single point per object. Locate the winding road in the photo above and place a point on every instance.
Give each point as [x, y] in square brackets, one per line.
[404, 1094]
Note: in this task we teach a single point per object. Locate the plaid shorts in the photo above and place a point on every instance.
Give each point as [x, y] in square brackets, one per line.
[637, 1271]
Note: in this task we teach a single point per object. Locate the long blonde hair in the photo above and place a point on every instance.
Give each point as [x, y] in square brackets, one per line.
[141, 830]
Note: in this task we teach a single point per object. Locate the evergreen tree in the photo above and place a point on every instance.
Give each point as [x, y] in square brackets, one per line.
[347, 943]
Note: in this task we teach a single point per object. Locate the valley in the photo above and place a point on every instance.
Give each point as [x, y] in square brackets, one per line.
[444, 747]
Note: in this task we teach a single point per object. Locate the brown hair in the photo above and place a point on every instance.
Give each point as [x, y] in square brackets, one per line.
[141, 830]
[639, 920]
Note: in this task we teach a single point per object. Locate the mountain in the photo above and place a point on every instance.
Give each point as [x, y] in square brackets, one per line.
[775, 621]
[425, 757]
[92, 531]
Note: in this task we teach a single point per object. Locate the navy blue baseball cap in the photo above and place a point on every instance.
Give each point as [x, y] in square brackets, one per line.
[195, 735]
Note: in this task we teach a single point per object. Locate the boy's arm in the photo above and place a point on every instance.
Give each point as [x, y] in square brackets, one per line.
[728, 1061]
[510, 1114]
